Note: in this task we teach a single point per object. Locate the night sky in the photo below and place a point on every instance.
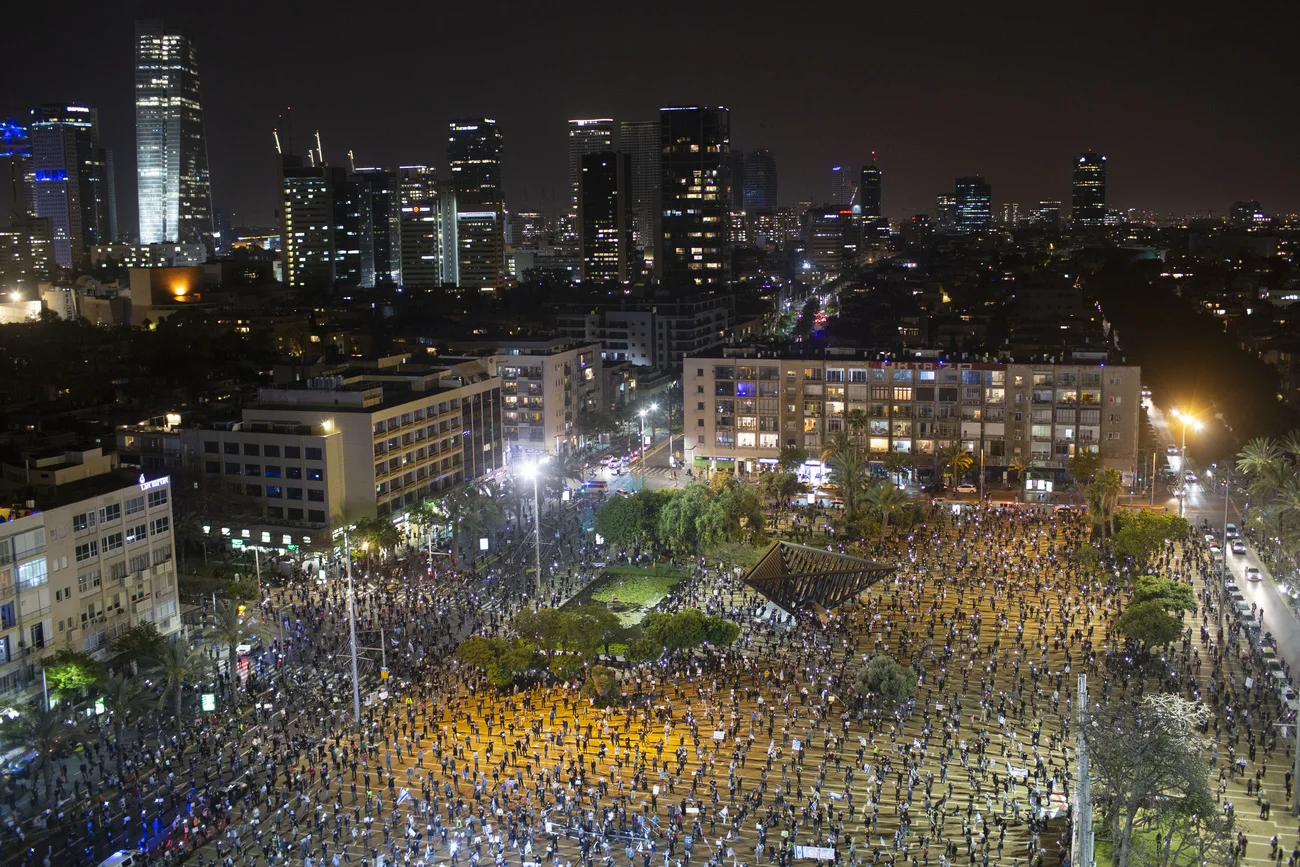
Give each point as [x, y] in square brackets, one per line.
[1195, 104]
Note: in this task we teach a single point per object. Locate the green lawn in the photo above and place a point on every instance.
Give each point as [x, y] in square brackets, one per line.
[638, 588]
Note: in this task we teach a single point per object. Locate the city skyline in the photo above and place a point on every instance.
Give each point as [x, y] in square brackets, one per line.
[1016, 72]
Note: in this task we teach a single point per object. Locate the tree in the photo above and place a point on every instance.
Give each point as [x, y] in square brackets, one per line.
[1172, 594]
[139, 644]
[1150, 624]
[791, 458]
[378, 534]
[1103, 497]
[69, 672]
[125, 700]
[175, 666]
[682, 630]
[602, 686]
[627, 522]
[857, 421]
[1142, 532]
[51, 734]
[679, 519]
[1084, 465]
[953, 462]
[885, 500]
[884, 679]
[1146, 756]
[850, 474]
[781, 487]
[231, 629]
[733, 515]
[896, 464]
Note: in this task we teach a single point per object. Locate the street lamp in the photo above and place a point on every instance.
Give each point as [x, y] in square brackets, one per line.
[641, 442]
[1196, 425]
[532, 471]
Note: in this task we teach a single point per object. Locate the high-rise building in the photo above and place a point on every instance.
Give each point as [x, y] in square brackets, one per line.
[869, 190]
[605, 216]
[17, 177]
[736, 173]
[842, 188]
[1247, 215]
[1049, 213]
[641, 141]
[974, 204]
[474, 150]
[695, 195]
[71, 185]
[760, 180]
[381, 187]
[171, 151]
[418, 209]
[326, 235]
[586, 137]
[1088, 191]
[945, 212]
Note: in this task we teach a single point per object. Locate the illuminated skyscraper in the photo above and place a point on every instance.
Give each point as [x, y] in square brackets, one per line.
[474, 150]
[640, 140]
[71, 186]
[605, 215]
[1088, 191]
[381, 187]
[171, 151]
[695, 196]
[760, 181]
[326, 232]
[586, 137]
[841, 186]
[974, 204]
[869, 190]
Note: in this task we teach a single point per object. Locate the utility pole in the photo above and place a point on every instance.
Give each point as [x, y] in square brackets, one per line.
[1083, 837]
[537, 534]
[352, 630]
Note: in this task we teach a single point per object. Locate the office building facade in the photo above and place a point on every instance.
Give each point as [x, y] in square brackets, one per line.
[974, 204]
[326, 231]
[869, 191]
[380, 188]
[641, 140]
[760, 181]
[175, 191]
[474, 152]
[695, 197]
[1088, 191]
[652, 333]
[741, 409]
[71, 181]
[587, 136]
[842, 186]
[605, 216]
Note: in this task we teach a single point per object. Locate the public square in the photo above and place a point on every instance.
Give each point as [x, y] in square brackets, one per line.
[731, 756]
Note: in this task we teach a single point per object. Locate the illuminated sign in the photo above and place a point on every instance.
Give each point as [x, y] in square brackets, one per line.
[149, 485]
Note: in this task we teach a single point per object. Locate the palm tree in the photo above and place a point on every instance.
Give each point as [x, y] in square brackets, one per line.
[1258, 456]
[230, 629]
[48, 733]
[124, 700]
[840, 443]
[1103, 497]
[851, 475]
[1018, 467]
[857, 421]
[886, 500]
[177, 664]
[897, 463]
[953, 461]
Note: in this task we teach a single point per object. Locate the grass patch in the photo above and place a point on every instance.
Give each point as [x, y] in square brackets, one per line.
[639, 590]
[656, 571]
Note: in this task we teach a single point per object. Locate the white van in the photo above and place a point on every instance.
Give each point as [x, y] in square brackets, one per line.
[123, 858]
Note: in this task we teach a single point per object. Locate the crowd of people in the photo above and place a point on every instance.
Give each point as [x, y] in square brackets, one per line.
[758, 753]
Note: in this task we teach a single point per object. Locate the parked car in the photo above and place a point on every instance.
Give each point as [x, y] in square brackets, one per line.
[1253, 574]
[966, 488]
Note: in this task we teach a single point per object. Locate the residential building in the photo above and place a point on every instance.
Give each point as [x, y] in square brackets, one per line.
[546, 385]
[420, 228]
[974, 204]
[658, 333]
[695, 197]
[90, 559]
[71, 179]
[175, 192]
[605, 216]
[586, 137]
[641, 140]
[945, 212]
[742, 407]
[1088, 191]
[760, 181]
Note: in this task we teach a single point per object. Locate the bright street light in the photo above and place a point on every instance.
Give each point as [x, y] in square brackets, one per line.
[534, 471]
[1195, 424]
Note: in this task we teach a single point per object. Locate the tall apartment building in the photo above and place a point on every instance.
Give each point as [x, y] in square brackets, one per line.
[742, 408]
[640, 139]
[326, 230]
[605, 216]
[474, 152]
[545, 386]
[92, 560]
[586, 136]
[695, 197]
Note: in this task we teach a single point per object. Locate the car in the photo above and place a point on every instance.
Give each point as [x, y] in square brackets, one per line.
[1238, 546]
[935, 488]
[123, 858]
[1253, 574]
[1172, 450]
[1189, 477]
[1231, 531]
[966, 488]
[1211, 539]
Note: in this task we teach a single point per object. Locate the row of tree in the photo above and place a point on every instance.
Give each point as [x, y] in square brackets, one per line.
[1272, 471]
[688, 520]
